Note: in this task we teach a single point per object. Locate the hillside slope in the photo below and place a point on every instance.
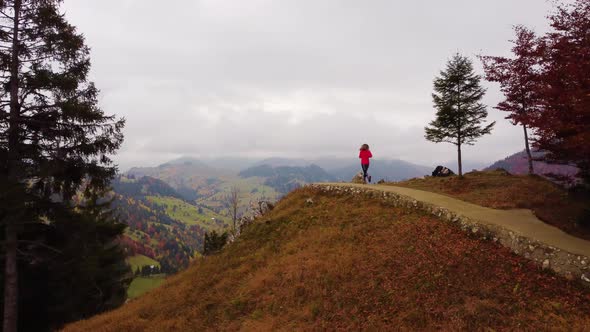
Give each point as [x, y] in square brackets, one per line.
[349, 262]
[287, 178]
[207, 186]
[161, 225]
[518, 164]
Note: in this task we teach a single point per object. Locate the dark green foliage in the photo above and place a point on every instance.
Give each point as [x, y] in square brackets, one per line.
[188, 194]
[214, 242]
[55, 142]
[584, 219]
[144, 186]
[459, 111]
[73, 269]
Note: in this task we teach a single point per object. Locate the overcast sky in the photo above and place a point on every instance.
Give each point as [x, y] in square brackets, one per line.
[291, 78]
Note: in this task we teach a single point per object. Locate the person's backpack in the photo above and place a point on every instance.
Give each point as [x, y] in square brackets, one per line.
[441, 171]
[437, 170]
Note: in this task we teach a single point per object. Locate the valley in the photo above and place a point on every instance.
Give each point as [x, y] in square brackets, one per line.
[169, 208]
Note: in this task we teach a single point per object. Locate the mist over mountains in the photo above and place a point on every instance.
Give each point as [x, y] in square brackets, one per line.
[179, 171]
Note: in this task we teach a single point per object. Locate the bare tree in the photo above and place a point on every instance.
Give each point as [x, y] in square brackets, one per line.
[232, 201]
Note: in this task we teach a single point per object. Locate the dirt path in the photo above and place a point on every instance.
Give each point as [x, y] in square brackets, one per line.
[519, 221]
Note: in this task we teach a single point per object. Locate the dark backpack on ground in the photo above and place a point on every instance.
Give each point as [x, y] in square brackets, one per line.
[441, 171]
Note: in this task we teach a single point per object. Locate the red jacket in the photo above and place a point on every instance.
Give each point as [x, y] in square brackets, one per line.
[365, 155]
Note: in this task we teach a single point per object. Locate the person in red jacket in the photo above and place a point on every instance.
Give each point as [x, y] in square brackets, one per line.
[364, 155]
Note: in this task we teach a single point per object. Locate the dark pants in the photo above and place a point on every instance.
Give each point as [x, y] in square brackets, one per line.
[365, 169]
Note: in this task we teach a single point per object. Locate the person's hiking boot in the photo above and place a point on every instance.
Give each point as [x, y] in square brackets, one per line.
[369, 179]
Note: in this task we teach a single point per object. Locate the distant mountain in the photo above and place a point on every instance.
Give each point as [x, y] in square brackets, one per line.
[234, 164]
[518, 164]
[207, 181]
[190, 177]
[143, 186]
[183, 168]
[287, 178]
[343, 169]
[277, 162]
[389, 170]
[199, 183]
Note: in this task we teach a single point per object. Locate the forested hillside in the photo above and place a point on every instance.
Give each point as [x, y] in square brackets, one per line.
[286, 178]
[161, 224]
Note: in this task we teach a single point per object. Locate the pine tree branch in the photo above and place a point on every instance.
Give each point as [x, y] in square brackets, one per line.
[6, 16]
[41, 245]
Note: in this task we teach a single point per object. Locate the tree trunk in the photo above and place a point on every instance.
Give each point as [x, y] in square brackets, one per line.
[528, 150]
[460, 165]
[10, 323]
[11, 280]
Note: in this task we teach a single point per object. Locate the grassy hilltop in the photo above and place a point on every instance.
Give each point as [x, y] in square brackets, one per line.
[350, 262]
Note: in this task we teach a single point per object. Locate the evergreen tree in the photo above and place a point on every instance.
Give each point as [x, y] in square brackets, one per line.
[214, 242]
[459, 112]
[53, 137]
[83, 273]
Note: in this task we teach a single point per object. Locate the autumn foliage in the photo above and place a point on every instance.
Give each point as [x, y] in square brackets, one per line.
[563, 127]
[519, 80]
[547, 85]
[349, 262]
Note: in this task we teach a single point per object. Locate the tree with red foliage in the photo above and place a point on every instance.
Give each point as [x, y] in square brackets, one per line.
[563, 125]
[519, 80]
[547, 85]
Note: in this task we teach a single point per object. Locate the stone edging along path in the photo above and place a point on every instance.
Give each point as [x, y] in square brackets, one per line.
[518, 229]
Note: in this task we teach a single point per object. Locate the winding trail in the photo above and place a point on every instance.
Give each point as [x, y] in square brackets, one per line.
[520, 221]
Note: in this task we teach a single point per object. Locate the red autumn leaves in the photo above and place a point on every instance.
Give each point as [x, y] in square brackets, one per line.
[546, 85]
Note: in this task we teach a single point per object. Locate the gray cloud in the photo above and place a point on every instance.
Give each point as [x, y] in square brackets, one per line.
[290, 77]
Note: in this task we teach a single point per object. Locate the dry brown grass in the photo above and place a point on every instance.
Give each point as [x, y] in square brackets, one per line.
[500, 190]
[354, 263]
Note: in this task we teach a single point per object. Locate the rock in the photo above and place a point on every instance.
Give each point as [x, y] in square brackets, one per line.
[309, 201]
[585, 278]
[264, 207]
[546, 264]
[256, 210]
[244, 222]
[358, 178]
